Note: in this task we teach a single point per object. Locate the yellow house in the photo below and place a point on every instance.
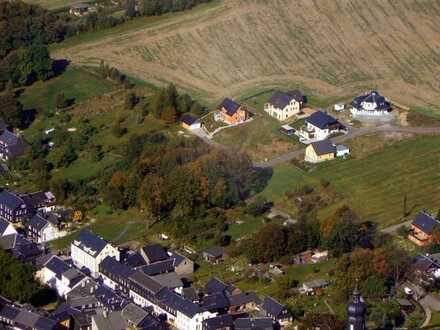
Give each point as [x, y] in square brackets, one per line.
[320, 151]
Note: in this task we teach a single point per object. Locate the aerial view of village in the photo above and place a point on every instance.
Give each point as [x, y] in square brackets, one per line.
[219, 164]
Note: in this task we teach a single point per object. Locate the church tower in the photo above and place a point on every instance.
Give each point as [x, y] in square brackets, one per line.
[356, 311]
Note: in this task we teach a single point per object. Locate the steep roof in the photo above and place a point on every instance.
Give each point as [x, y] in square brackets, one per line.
[243, 299]
[38, 222]
[219, 322]
[10, 199]
[272, 307]
[90, 243]
[159, 267]
[169, 280]
[155, 253]
[215, 251]
[214, 285]
[281, 99]
[230, 106]
[112, 266]
[188, 119]
[176, 302]
[146, 282]
[260, 323]
[9, 138]
[57, 266]
[425, 222]
[215, 301]
[4, 224]
[134, 314]
[323, 147]
[372, 97]
[321, 120]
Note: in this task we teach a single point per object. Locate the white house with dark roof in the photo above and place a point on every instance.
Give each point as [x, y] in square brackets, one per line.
[89, 250]
[370, 104]
[6, 228]
[13, 207]
[43, 228]
[319, 126]
[11, 145]
[276, 311]
[283, 105]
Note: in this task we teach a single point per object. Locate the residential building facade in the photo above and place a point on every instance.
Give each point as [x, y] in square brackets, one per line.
[284, 105]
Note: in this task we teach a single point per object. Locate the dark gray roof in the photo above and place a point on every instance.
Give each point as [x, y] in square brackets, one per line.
[176, 302]
[10, 199]
[281, 99]
[155, 253]
[321, 120]
[372, 97]
[188, 119]
[112, 266]
[4, 224]
[9, 312]
[90, 243]
[425, 222]
[34, 321]
[323, 147]
[57, 266]
[146, 282]
[260, 323]
[243, 299]
[169, 280]
[133, 259]
[215, 285]
[159, 267]
[215, 301]
[9, 138]
[218, 322]
[230, 106]
[37, 222]
[215, 251]
[24, 250]
[272, 307]
[109, 299]
[111, 321]
[8, 242]
[134, 314]
[190, 293]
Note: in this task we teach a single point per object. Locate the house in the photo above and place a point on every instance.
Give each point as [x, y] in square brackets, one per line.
[6, 228]
[43, 201]
[320, 125]
[320, 151]
[79, 9]
[276, 311]
[19, 318]
[215, 303]
[59, 275]
[43, 228]
[115, 275]
[221, 322]
[311, 287]
[183, 266]
[283, 105]
[190, 123]
[214, 254]
[232, 112]
[89, 250]
[170, 281]
[13, 207]
[258, 323]
[339, 107]
[11, 145]
[342, 151]
[214, 285]
[153, 253]
[422, 228]
[287, 130]
[370, 104]
[243, 302]
[21, 248]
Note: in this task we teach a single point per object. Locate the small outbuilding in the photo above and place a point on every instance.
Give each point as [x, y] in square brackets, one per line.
[287, 130]
[339, 107]
[190, 123]
[214, 254]
[342, 151]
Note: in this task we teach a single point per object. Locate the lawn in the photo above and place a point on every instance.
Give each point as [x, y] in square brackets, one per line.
[375, 186]
[55, 4]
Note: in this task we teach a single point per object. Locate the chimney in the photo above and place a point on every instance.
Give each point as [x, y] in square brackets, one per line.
[105, 313]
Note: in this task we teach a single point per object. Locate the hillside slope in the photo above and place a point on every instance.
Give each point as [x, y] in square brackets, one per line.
[332, 47]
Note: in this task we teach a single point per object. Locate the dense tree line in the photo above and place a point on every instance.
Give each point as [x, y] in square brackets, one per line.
[19, 284]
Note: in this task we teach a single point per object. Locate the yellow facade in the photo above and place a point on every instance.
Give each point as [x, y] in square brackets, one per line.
[313, 157]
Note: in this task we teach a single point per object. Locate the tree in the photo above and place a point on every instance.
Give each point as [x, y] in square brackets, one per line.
[131, 100]
[169, 115]
[130, 8]
[11, 110]
[61, 101]
[322, 321]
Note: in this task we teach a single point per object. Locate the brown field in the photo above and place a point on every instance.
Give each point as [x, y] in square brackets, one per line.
[334, 48]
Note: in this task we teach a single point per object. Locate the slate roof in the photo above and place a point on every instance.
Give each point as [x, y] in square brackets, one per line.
[34, 321]
[146, 282]
[215, 301]
[190, 293]
[323, 147]
[4, 224]
[260, 323]
[134, 260]
[214, 285]
[37, 222]
[371, 97]
[176, 302]
[218, 322]
[159, 267]
[188, 119]
[9, 138]
[109, 299]
[25, 250]
[169, 280]
[10, 199]
[425, 222]
[134, 314]
[230, 106]
[111, 321]
[57, 266]
[321, 120]
[9, 312]
[214, 251]
[281, 99]
[272, 307]
[112, 266]
[243, 299]
[90, 243]
[155, 252]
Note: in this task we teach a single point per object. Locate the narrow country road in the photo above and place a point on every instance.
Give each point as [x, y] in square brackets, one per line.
[352, 133]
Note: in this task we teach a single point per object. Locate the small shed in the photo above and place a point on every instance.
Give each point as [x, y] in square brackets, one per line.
[342, 151]
[287, 129]
[190, 123]
[214, 254]
[339, 107]
[310, 287]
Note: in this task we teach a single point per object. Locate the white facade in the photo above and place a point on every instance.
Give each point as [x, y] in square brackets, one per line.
[62, 286]
[339, 107]
[49, 233]
[293, 108]
[82, 258]
[184, 322]
[365, 112]
[319, 134]
[342, 151]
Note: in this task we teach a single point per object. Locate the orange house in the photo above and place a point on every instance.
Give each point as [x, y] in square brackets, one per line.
[232, 112]
[422, 228]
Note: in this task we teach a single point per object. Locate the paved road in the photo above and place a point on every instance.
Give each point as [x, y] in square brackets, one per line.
[353, 133]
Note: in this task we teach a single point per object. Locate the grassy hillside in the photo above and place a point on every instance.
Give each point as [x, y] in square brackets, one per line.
[55, 4]
[374, 186]
[333, 47]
